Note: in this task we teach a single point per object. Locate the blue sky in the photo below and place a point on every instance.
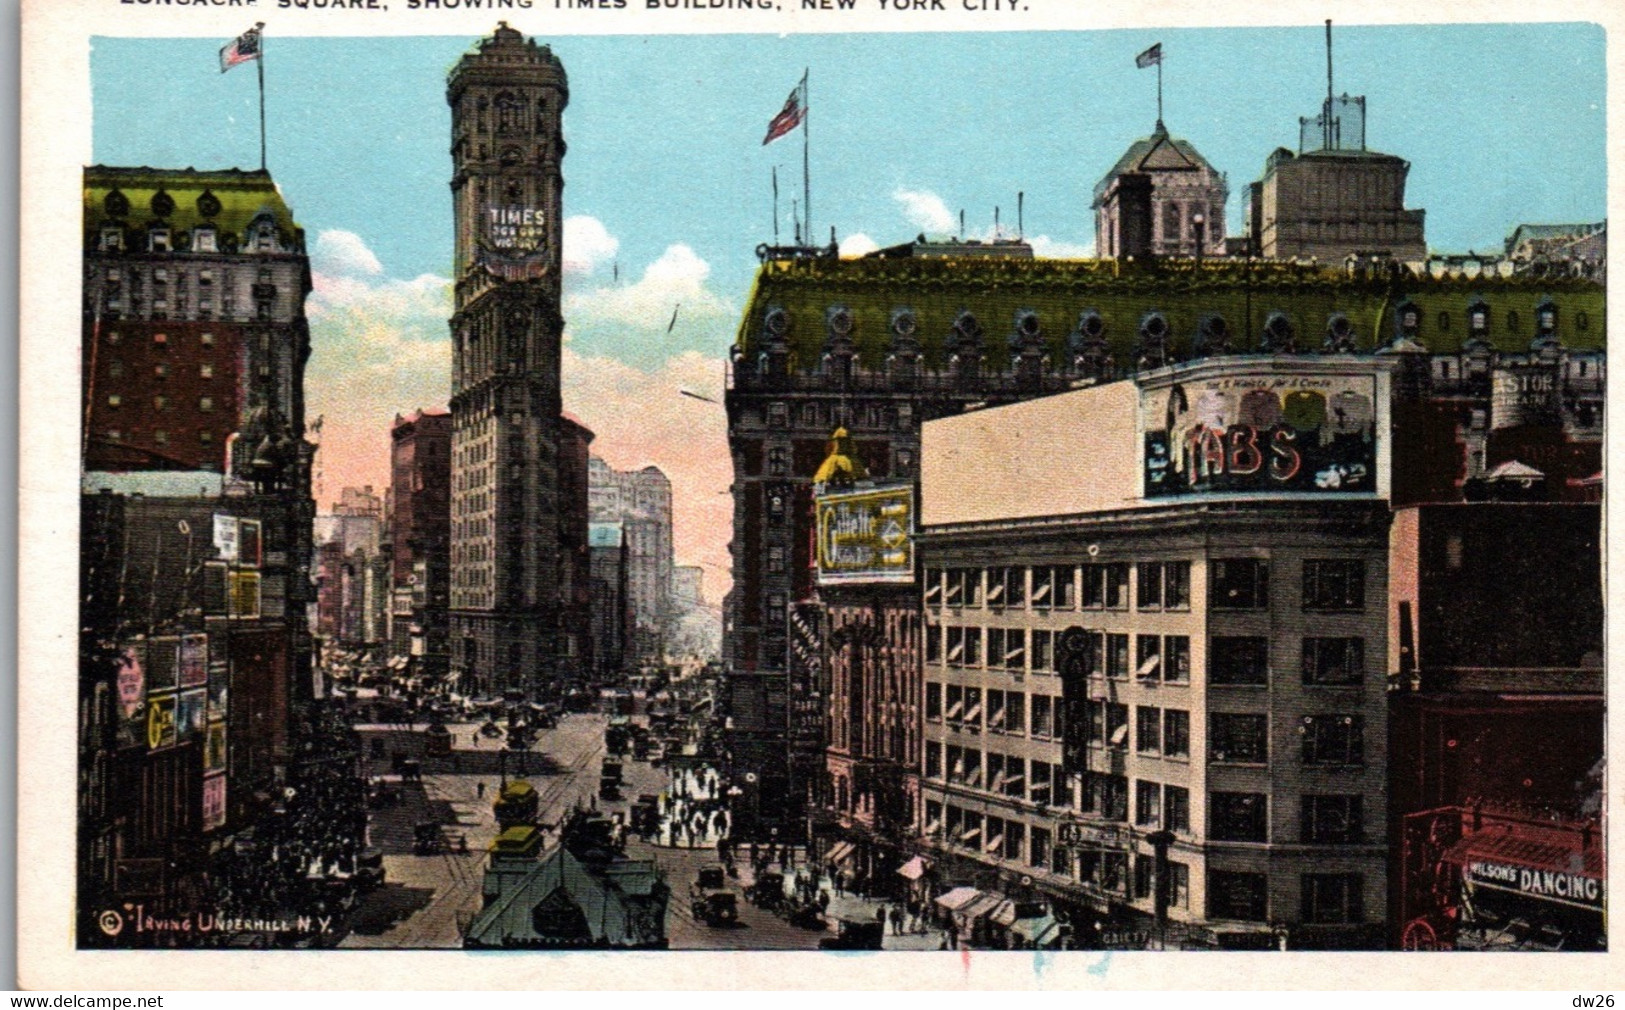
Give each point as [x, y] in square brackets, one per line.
[666, 175]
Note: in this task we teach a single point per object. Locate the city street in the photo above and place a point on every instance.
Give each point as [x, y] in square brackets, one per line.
[426, 899]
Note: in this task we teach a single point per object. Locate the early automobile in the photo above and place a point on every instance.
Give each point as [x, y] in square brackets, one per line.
[768, 891]
[854, 934]
[609, 781]
[711, 900]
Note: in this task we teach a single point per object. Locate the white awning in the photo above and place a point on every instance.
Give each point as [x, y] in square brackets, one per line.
[840, 852]
[955, 708]
[1120, 734]
[975, 713]
[914, 869]
[958, 898]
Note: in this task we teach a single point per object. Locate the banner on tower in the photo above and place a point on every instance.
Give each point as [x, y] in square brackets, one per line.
[513, 243]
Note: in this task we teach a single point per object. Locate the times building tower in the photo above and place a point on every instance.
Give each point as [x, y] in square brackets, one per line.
[506, 101]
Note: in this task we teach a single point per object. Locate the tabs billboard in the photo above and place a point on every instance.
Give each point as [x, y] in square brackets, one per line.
[866, 536]
[1257, 432]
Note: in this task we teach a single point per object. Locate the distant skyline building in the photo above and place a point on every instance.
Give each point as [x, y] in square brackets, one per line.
[420, 533]
[507, 99]
[640, 500]
[1161, 198]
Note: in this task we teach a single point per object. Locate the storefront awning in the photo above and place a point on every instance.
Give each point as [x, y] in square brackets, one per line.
[914, 869]
[1043, 930]
[840, 852]
[958, 898]
[984, 904]
[1534, 864]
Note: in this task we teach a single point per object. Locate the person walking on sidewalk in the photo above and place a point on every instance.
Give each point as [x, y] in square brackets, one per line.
[897, 920]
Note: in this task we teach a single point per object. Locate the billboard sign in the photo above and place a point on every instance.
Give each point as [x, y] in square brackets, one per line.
[514, 244]
[214, 802]
[214, 747]
[191, 714]
[1261, 432]
[194, 660]
[225, 537]
[161, 722]
[866, 536]
[132, 682]
[1579, 889]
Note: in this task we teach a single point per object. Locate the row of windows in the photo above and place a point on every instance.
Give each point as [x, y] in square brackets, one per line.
[162, 340]
[1233, 660]
[1324, 818]
[1035, 781]
[1325, 898]
[115, 370]
[159, 436]
[204, 403]
[1233, 738]
[1005, 711]
[1329, 584]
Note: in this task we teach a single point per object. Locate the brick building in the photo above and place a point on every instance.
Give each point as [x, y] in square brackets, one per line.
[420, 531]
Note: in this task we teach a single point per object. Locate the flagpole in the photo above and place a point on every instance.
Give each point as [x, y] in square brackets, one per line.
[806, 184]
[1159, 89]
[261, 66]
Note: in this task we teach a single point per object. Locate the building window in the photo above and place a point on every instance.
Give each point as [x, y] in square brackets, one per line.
[158, 240]
[1333, 584]
[1015, 783]
[1096, 731]
[160, 340]
[1007, 587]
[1015, 835]
[778, 416]
[777, 462]
[161, 437]
[933, 702]
[1015, 651]
[1333, 661]
[995, 711]
[1238, 739]
[1147, 803]
[1176, 808]
[1039, 786]
[973, 710]
[1147, 729]
[775, 610]
[115, 369]
[1238, 817]
[1179, 885]
[932, 578]
[206, 340]
[1117, 656]
[1148, 657]
[1238, 661]
[160, 402]
[1176, 659]
[775, 559]
[1105, 586]
[1148, 585]
[933, 759]
[1043, 719]
[1176, 733]
[1163, 585]
[205, 437]
[1239, 896]
[1331, 820]
[1053, 588]
[115, 435]
[1145, 873]
[205, 371]
[1015, 712]
[1038, 854]
[956, 647]
[1239, 584]
[995, 648]
[933, 643]
[1116, 725]
[1333, 739]
[1111, 797]
[1332, 898]
[112, 240]
[1043, 651]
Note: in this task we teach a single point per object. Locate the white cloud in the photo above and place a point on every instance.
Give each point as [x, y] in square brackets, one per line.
[925, 210]
[630, 321]
[857, 245]
[1049, 248]
[588, 245]
[344, 254]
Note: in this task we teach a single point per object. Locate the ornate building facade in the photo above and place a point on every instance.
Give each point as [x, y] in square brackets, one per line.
[507, 99]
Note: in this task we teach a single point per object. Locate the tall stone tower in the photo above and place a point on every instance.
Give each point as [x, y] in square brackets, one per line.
[507, 190]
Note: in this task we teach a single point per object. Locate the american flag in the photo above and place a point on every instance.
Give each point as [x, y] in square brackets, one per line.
[1149, 57]
[243, 48]
[788, 118]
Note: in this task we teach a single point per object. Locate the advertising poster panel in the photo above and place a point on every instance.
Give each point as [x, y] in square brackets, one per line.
[161, 715]
[1261, 433]
[194, 665]
[214, 802]
[865, 536]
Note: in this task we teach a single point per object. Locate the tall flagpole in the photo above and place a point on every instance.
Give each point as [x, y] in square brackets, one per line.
[1159, 88]
[261, 67]
[806, 185]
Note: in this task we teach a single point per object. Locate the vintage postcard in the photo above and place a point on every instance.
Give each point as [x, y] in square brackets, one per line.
[1052, 497]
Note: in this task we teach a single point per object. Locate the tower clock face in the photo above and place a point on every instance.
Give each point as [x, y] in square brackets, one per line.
[514, 241]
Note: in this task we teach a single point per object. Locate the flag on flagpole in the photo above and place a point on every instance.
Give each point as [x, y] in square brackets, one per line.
[1149, 57]
[788, 118]
[243, 48]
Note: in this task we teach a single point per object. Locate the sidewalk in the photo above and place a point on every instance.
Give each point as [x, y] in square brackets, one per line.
[851, 906]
